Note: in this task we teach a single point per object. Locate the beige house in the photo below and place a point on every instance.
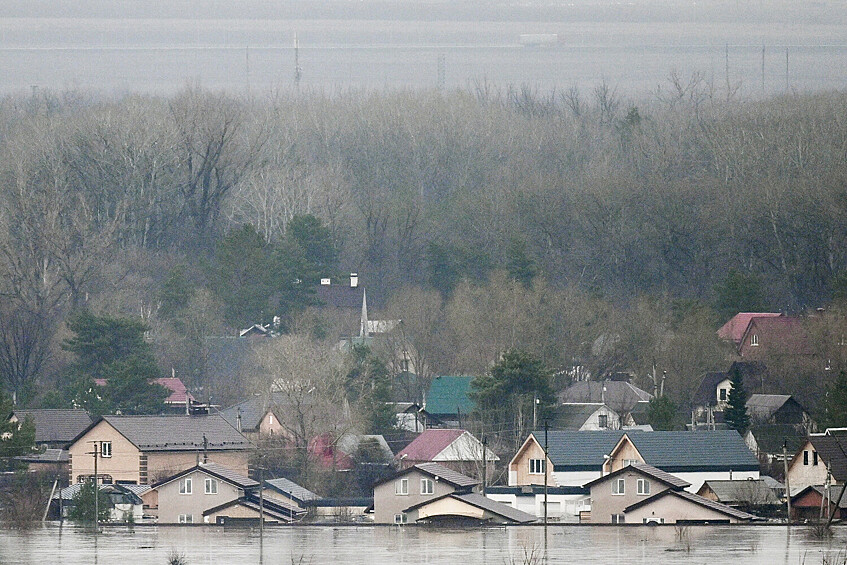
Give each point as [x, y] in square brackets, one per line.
[421, 483]
[144, 449]
[642, 494]
[819, 455]
[257, 416]
[463, 507]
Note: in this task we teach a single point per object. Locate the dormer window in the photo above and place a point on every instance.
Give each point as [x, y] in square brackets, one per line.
[722, 394]
[754, 340]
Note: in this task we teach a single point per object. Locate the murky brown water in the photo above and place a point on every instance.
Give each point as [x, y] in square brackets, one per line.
[764, 545]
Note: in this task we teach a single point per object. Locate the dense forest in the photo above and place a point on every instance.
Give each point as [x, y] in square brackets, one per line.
[582, 227]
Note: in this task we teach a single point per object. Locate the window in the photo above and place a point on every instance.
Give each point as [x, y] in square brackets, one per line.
[536, 466]
[211, 486]
[754, 340]
[618, 519]
[105, 449]
[185, 486]
[643, 486]
[722, 394]
[401, 487]
[618, 486]
[270, 419]
[401, 518]
[603, 420]
[186, 519]
[652, 521]
[805, 457]
[814, 458]
[404, 365]
[427, 486]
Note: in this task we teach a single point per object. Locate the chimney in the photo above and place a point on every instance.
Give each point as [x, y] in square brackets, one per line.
[354, 280]
[238, 420]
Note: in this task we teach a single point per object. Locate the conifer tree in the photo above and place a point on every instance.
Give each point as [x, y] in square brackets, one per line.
[736, 416]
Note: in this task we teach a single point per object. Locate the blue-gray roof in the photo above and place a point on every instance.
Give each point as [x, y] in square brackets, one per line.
[291, 490]
[670, 451]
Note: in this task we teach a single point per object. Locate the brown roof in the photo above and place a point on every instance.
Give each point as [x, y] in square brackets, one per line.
[734, 329]
[782, 333]
[436, 471]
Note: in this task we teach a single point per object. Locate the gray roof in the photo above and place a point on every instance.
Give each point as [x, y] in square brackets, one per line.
[252, 411]
[648, 470]
[292, 489]
[673, 451]
[744, 491]
[620, 396]
[573, 416]
[696, 499]
[55, 426]
[480, 501]
[349, 444]
[179, 433]
[135, 491]
[48, 456]
[833, 451]
[763, 406]
[218, 471]
[436, 471]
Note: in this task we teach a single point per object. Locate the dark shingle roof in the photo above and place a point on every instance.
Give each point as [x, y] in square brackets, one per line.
[178, 433]
[252, 411]
[696, 499]
[55, 426]
[435, 470]
[763, 406]
[49, 456]
[291, 489]
[831, 450]
[705, 394]
[219, 471]
[480, 501]
[679, 451]
[573, 416]
[648, 470]
[578, 451]
[449, 395]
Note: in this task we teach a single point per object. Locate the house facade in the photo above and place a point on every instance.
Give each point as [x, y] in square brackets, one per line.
[573, 458]
[184, 497]
[144, 449]
[821, 458]
[415, 485]
[455, 449]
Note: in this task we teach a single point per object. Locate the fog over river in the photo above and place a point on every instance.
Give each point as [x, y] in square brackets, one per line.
[767, 545]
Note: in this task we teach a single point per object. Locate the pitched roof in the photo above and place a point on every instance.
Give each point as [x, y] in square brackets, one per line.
[350, 443]
[429, 444]
[572, 416]
[55, 426]
[784, 335]
[271, 508]
[251, 410]
[702, 450]
[705, 394]
[734, 329]
[484, 503]
[449, 395]
[833, 452]
[648, 470]
[218, 471]
[179, 393]
[834, 494]
[578, 451]
[746, 491]
[49, 456]
[620, 396]
[291, 489]
[176, 433]
[763, 406]
[436, 471]
[340, 295]
[696, 499]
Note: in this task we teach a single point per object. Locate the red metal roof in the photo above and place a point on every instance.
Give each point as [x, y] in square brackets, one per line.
[734, 329]
[429, 444]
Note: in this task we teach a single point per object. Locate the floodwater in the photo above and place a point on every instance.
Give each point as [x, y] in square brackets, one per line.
[257, 55]
[767, 545]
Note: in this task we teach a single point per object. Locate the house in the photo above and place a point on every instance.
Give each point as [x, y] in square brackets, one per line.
[256, 417]
[820, 456]
[212, 493]
[564, 504]
[448, 400]
[775, 336]
[694, 456]
[455, 449]
[812, 503]
[54, 428]
[733, 330]
[143, 449]
[619, 394]
[432, 493]
[338, 510]
[412, 417]
[289, 492]
[53, 461]
[710, 399]
[776, 420]
[740, 494]
[642, 494]
[127, 504]
[179, 400]
[343, 453]
[575, 458]
[587, 416]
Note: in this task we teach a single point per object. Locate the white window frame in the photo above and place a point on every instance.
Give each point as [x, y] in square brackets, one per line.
[186, 518]
[211, 486]
[105, 449]
[723, 394]
[618, 519]
[754, 340]
[186, 486]
[401, 487]
[642, 487]
[427, 486]
[537, 466]
[627, 462]
[619, 487]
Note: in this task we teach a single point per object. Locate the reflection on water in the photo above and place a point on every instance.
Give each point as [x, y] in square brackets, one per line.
[382, 545]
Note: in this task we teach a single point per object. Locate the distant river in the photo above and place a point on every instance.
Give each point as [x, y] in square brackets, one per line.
[164, 55]
[749, 545]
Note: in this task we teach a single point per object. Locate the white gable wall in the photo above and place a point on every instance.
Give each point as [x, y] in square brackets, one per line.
[465, 448]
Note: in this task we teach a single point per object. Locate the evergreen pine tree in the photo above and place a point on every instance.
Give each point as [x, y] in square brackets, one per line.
[736, 416]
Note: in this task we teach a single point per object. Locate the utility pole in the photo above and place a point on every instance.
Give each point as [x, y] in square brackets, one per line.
[534, 410]
[96, 452]
[261, 499]
[787, 485]
[546, 458]
[484, 464]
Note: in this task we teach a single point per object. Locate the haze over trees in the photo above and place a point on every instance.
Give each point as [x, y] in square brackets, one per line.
[583, 228]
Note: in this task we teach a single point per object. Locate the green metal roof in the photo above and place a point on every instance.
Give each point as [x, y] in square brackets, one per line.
[449, 395]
